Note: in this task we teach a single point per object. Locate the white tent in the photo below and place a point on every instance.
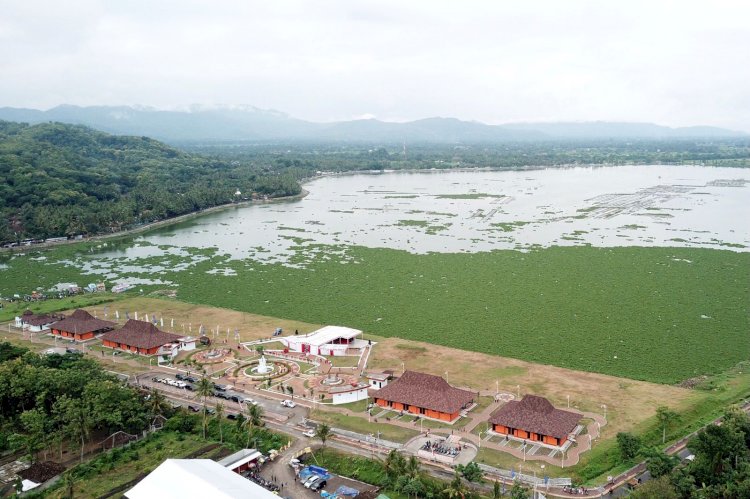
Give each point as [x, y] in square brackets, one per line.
[196, 478]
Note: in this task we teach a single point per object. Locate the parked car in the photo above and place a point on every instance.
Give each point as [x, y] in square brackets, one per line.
[294, 462]
[311, 480]
[190, 379]
[190, 387]
[309, 433]
[193, 408]
[221, 388]
[232, 416]
[221, 395]
[288, 403]
[250, 401]
[236, 398]
[317, 485]
[180, 376]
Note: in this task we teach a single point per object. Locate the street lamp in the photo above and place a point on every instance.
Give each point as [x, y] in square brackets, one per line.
[518, 391]
[604, 406]
[497, 388]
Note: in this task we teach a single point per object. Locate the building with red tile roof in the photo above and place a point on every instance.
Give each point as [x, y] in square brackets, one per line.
[81, 326]
[139, 337]
[425, 395]
[536, 419]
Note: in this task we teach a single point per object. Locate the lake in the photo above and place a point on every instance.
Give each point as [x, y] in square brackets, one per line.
[472, 211]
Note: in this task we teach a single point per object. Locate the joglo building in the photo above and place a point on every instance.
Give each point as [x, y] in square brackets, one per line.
[424, 395]
[536, 419]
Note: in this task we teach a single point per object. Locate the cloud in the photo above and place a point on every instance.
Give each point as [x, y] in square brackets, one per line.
[675, 63]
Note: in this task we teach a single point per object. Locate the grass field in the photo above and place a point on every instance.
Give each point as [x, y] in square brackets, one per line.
[657, 314]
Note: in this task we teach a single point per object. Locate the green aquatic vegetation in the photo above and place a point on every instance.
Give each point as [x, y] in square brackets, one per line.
[509, 226]
[629, 311]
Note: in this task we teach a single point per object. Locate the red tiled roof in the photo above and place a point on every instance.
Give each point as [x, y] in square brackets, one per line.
[140, 334]
[81, 322]
[537, 415]
[426, 390]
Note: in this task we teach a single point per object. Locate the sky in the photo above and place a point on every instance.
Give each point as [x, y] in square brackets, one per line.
[675, 63]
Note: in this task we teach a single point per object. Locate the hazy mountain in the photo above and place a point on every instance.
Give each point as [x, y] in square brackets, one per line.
[252, 124]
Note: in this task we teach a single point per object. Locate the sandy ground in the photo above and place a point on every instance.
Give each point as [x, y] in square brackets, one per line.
[628, 402]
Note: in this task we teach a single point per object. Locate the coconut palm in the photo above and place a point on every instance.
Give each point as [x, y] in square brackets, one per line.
[156, 403]
[253, 420]
[220, 420]
[204, 389]
[290, 391]
[455, 489]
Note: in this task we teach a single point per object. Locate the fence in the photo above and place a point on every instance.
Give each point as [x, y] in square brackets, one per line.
[527, 479]
[366, 438]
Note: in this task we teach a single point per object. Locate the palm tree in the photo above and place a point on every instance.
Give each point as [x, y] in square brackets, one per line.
[204, 389]
[254, 419]
[323, 431]
[412, 467]
[455, 489]
[290, 391]
[219, 420]
[156, 403]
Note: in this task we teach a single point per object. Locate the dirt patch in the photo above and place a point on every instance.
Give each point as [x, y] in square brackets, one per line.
[189, 317]
[628, 401]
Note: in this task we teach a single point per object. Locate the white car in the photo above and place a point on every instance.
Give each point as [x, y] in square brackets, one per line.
[311, 481]
[288, 403]
[309, 433]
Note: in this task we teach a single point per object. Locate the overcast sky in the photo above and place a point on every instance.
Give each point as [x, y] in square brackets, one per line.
[673, 63]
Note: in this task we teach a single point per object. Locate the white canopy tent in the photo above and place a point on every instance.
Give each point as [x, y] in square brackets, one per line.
[196, 478]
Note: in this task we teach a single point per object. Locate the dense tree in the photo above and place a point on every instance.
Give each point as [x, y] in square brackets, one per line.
[471, 472]
[628, 444]
[204, 389]
[659, 488]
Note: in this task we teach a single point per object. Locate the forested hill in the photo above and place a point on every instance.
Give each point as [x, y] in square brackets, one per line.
[64, 180]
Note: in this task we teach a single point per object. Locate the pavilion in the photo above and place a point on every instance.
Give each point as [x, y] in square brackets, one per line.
[81, 326]
[143, 338]
[424, 395]
[536, 419]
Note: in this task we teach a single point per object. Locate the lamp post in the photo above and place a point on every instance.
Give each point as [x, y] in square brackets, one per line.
[568, 396]
[497, 388]
[403, 368]
[518, 391]
[604, 406]
[446, 376]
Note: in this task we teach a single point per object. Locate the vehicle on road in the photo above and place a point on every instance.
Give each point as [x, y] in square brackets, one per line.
[309, 433]
[288, 403]
[193, 408]
[311, 480]
[221, 395]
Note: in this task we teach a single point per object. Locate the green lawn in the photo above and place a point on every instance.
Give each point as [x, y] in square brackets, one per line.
[360, 425]
[10, 310]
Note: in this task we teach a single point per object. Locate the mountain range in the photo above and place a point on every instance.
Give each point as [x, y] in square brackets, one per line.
[251, 124]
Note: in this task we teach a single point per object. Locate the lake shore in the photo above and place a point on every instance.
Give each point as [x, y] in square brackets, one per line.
[158, 224]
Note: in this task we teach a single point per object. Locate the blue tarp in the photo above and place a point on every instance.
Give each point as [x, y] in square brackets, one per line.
[305, 472]
[346, 491]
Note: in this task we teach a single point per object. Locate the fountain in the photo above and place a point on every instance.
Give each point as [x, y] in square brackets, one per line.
[263, 367]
